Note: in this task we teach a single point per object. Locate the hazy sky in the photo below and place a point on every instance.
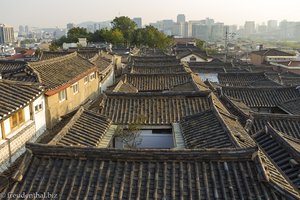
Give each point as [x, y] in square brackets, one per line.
[57, 13]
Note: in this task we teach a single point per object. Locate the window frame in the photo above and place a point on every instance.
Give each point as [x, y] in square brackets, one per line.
[86, 80]
[65, 96]
[38, 107]
[19, 120]
[76, 87]
[92, 76]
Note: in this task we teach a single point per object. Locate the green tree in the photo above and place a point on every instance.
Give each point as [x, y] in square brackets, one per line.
[77, 32]
[200, 44]
[117, 37]
[126, 26]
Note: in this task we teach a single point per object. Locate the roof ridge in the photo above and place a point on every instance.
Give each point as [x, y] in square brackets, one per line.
[232, 136]
[274, 115]
[188, 154]
[54, 60]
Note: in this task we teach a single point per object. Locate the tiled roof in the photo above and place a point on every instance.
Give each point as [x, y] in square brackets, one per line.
[102, 63]
[199, 53]
[17, 71]
[86, 128]
[271, 52]
[46, 55]
[287, 124]
[59, 71]
[11, 66]
[262, 97]
[158, 108]
[290, 81]
[88, 54]
[291, 106]
[246, 79]
[237, 108]
[287, 78]
[16, 95]
[207, 69]
[141, 59]
[87, 173]
[162, 82]
[214, 129]
[156, 69]
[283, 151]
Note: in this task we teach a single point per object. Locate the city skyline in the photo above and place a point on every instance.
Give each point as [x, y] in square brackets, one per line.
[49, 14]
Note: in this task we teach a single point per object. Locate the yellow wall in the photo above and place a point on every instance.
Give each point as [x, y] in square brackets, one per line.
[56, 109]
[256, 59]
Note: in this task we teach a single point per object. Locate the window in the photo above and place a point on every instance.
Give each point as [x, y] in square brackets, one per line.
[17, 119]
[38, 107]
[75, 88]
[62, 95]
[193, 59]
[86, 80]
[92, 76]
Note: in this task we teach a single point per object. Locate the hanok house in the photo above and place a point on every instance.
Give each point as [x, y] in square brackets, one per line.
[246, 79]
[22, 118]
[97, 173]
[156, 65]
[70, 81]
[264, 100]
[105, 70]
[159, 83]
[154, 112]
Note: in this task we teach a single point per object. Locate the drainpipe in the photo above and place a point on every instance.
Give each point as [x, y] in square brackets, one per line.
[9, 149]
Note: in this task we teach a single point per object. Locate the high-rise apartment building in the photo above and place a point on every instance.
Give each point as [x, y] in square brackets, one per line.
[70, 26]
[181, 18]
[272, 25]
[138, 21]
[249, 28]
[6, 34]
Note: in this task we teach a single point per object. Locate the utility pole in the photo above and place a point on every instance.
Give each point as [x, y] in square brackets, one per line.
[226, 43]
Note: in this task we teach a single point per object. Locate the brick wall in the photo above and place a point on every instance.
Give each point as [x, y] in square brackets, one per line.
[17, 144]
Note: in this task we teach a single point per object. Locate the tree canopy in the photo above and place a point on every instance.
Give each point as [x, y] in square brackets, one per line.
[124, 32]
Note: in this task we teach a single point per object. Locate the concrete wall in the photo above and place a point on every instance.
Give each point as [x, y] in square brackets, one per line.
[40, 116]
[107, 81]
[56, 109]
